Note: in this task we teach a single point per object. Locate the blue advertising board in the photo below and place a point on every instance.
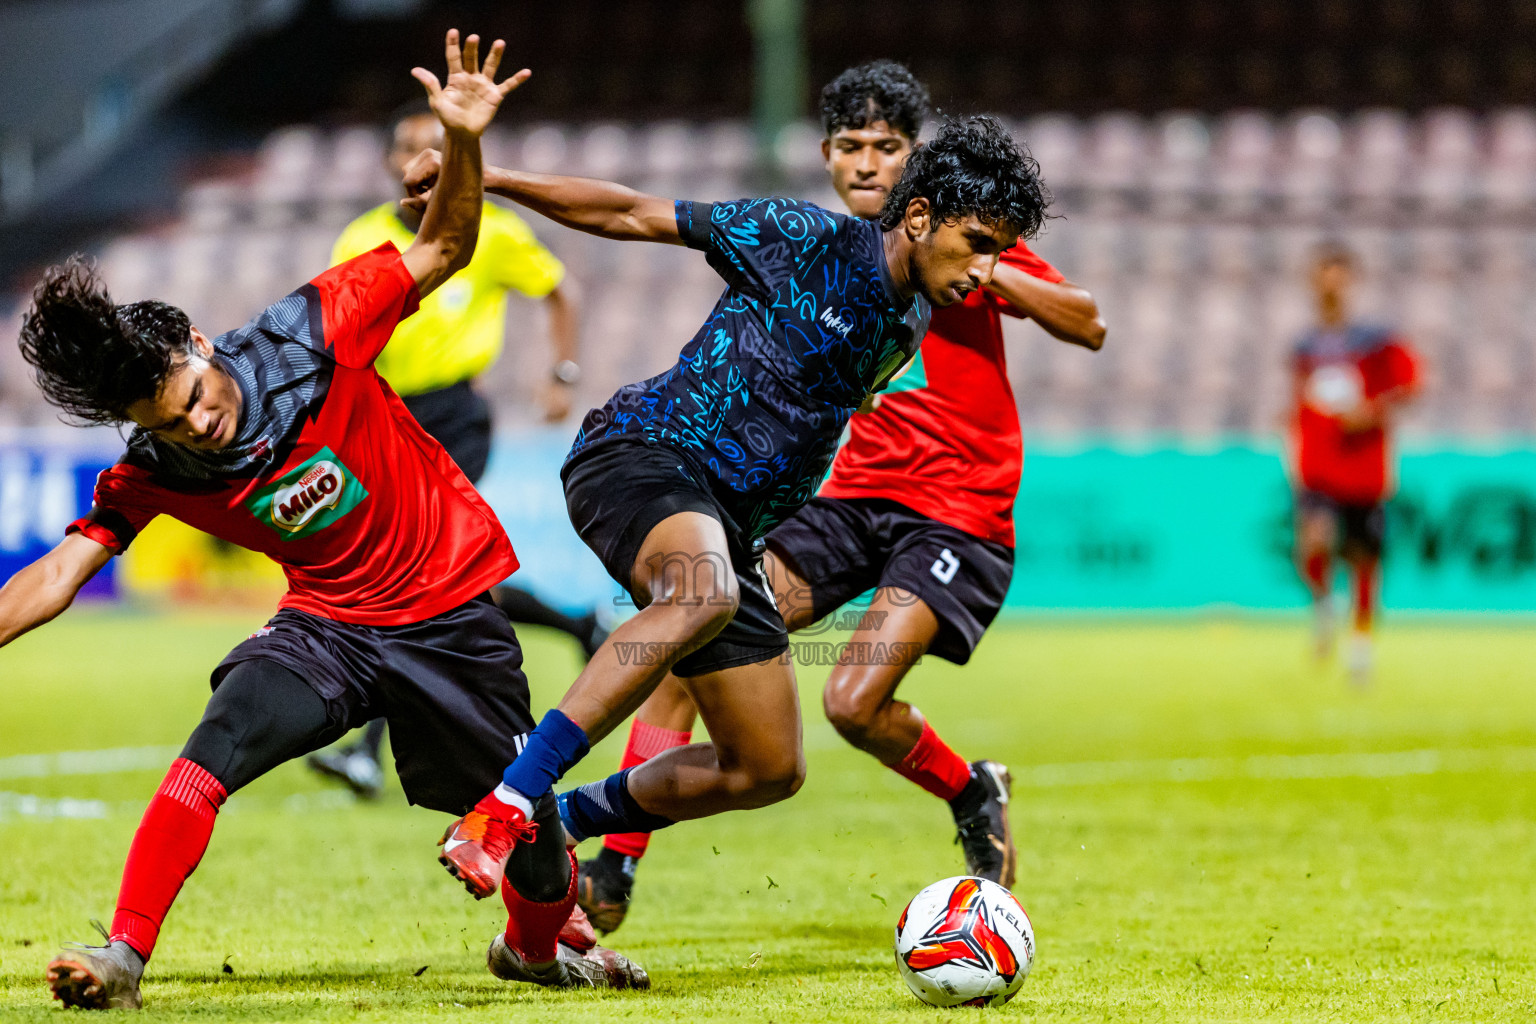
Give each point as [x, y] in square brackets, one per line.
[45, 484]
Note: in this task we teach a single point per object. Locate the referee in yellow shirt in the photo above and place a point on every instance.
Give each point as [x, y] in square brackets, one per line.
[432, 360]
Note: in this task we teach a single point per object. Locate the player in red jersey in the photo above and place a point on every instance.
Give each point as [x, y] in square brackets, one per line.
[1350, 380]
[282, 438]
[918, 507]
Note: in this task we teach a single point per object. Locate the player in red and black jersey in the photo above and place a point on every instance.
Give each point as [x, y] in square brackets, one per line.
[1350, 378]
[918, 508]
[281, 437]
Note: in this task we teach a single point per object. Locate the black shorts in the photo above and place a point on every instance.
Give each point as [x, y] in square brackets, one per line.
[619, 489]
[452, 688]
[843, 547]
[1360, 529]
[460, 420]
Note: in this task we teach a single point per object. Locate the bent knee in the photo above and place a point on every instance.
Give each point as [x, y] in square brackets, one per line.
[700, 617]
[716, 612]
[769, 783]
[850, 708]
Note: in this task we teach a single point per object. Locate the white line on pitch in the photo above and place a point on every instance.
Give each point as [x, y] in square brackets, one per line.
[26, 805]
[87, 762]
[31, 807]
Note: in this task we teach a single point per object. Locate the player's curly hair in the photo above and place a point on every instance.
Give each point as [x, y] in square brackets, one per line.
[973, 166]
[881, 90]
[94, 359]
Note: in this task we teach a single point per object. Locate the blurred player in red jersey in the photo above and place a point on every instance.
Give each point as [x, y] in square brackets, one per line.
[281, 437]
[1350, 380]
[918, 507]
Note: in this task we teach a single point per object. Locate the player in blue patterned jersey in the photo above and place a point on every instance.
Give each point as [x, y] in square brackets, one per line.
[810, 324]
[675, 479]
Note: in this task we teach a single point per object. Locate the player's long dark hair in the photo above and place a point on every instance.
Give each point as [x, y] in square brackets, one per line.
[973, 166]
[881, 90]
[94, 359]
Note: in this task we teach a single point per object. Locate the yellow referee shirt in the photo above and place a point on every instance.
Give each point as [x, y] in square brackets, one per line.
[458, 331]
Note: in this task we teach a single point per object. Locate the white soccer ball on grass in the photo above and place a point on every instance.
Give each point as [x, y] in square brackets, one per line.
[964, 942]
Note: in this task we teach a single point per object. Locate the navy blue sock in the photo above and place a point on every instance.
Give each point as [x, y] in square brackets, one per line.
[599, 808]
[551, 750]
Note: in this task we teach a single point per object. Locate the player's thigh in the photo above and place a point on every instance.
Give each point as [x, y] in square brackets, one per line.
[684, 559]
[639, 509]
[457, 701]
[962, 579]
[1317, 524]
[261, 715]
[669, 706]
[791, 591]
[822, 557]
[892, 636]
[1362, 533]
[752, 713]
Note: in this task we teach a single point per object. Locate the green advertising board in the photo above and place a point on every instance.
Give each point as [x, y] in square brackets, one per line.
[1124, 527]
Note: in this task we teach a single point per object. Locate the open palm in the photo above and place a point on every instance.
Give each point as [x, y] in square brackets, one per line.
[469, 99]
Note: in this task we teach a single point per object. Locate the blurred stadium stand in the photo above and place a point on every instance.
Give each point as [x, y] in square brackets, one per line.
[1193, 231]
[1197, 150]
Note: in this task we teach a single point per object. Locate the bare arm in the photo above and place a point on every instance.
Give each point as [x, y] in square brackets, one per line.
[450, 223]
[563, 332]
[45, 588]
[1379, 411]
[1065, 310]
[586, 204]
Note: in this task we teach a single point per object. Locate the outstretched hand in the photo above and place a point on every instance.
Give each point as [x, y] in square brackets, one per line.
[469, 99]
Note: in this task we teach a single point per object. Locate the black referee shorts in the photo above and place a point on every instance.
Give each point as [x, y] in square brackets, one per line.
[452, 688]
[459, 419]
[619, 489]
[843, 547]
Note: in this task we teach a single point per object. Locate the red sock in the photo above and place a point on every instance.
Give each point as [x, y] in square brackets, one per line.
[645, 742]
[533, 928]
[935, 767]
[1316, 569]
[166, 848]
[1365, 577]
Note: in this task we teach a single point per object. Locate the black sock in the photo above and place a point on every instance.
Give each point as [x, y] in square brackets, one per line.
[969, 800]
[541, 870]
[616, 863]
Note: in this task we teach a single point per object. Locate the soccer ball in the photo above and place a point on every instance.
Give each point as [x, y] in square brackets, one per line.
[1336, 389]
[964, 942]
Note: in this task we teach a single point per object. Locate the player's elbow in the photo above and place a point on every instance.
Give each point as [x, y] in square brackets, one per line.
[457, 255]
[27, 602]
[1091, 329]
[1093, 333]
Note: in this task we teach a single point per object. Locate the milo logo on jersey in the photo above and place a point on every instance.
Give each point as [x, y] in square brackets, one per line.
[309, 497]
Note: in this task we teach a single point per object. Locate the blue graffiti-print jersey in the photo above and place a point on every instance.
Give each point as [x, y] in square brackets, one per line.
[809, 324]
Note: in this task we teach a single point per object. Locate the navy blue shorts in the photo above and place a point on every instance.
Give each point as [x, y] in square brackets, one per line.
[619, 489]
[843, 547]
[452, 688]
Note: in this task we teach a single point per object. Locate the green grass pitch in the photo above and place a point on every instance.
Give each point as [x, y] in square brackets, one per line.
[1210, 829]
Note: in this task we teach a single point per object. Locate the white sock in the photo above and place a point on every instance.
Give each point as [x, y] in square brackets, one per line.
[512, 798]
